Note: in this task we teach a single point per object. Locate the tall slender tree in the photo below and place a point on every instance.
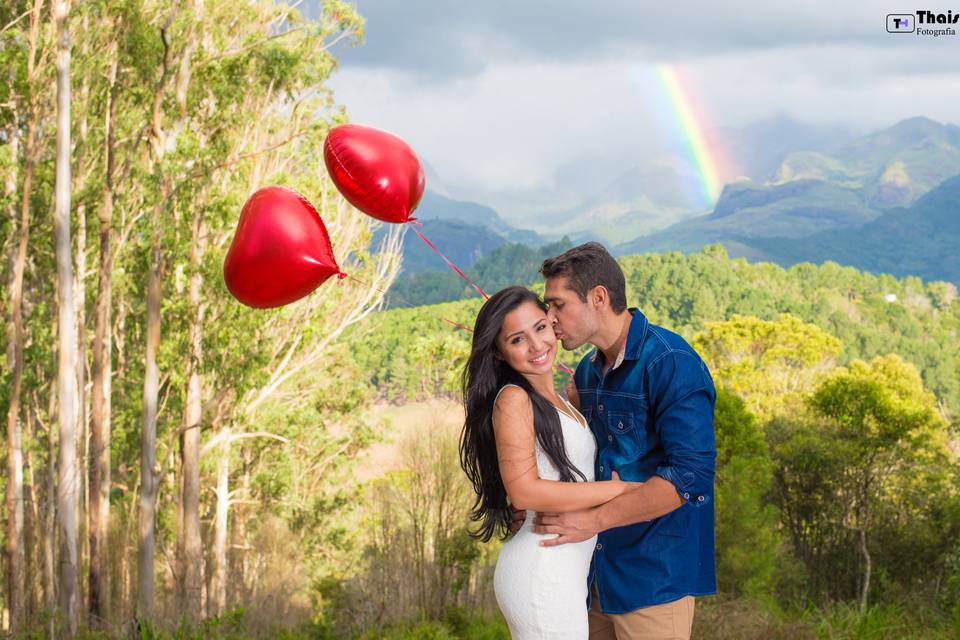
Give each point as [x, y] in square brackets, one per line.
[99, 504]
[30, 108]
[67, 378]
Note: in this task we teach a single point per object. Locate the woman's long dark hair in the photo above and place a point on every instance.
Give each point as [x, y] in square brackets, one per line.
[485, 374]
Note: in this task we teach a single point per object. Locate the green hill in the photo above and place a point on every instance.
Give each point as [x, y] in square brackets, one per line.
[892, 167]
[817, 192]
[921, 240]
[871, 315]
[462, 243]
[748, 210]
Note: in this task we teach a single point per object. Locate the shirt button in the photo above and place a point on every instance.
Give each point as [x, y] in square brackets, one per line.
[599, 547]
[601, 469]
[609, 438]
[600, 407]
[700, 499]
[686, 496]
[619, 425]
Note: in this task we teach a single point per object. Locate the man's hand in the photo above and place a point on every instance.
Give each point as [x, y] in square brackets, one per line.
[574, 526]
[517, 516]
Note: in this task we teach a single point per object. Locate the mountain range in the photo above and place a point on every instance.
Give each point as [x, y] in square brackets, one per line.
[813, 192]
[801, 192]
[920, 240]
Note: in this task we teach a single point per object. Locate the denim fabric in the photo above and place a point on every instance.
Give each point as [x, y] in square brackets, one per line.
[652, 414]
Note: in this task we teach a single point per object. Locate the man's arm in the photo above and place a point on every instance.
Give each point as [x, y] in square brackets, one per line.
[684, 420]
[654, 498]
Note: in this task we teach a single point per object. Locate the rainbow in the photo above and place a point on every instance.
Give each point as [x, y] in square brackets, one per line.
[691, 130]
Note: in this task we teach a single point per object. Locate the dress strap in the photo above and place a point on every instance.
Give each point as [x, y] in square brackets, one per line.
[509, 384]
[575, 413]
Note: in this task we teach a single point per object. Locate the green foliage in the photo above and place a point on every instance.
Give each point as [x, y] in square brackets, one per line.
[771, 364]
[856, 472]
[686, 293]
[747, 542]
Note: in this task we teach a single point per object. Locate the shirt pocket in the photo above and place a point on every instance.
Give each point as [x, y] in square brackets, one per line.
[627, 433]
[669, 530]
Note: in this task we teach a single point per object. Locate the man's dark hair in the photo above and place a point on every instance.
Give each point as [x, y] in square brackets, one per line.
[587, 266]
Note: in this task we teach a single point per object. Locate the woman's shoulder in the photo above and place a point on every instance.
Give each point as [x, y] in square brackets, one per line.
[510, 395]
[513, 407]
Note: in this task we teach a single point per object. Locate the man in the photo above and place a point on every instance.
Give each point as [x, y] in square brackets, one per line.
[649, 399]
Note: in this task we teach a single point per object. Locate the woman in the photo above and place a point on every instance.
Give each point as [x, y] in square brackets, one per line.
[522, 444]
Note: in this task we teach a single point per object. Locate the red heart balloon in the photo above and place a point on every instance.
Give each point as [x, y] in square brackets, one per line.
[376, 171]
[281, 251]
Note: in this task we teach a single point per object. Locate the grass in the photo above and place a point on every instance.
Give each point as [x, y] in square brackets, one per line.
[715, 619]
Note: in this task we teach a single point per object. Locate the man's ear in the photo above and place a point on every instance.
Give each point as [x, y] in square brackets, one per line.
[599, 296]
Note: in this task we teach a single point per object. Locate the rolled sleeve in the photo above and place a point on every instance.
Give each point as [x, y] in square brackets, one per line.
[684, 399]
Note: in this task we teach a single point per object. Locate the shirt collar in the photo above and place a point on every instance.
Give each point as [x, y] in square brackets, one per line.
[635, 336]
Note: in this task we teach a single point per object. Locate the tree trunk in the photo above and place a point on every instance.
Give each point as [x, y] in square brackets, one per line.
[50, 516]
[33, 528]
[82, 436]
[192, 548]
[148, 447]
[151, 379]
[218, 598]
[867, 570]
[67, 377]
[102, 352]
[238, 577]
[83, 431]
[15, 339]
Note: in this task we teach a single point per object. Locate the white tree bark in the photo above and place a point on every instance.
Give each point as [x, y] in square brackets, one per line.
[67, 377]
[15, 337]
[218, 599]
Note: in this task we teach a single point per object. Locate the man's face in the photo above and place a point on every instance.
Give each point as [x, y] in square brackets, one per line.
[575, 321]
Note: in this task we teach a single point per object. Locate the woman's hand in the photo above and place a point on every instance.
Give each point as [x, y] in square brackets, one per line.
[517, 517]
[575, 526]
[623, 485]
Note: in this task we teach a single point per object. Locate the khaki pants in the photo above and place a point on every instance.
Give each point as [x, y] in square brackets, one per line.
[671, 621]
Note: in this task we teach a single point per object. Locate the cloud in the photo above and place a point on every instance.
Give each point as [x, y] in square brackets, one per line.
[438, 39]
[529, 106]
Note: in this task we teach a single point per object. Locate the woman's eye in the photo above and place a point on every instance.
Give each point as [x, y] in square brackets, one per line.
[516, 340]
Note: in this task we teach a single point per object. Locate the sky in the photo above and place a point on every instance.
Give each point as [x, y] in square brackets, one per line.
[532, 107]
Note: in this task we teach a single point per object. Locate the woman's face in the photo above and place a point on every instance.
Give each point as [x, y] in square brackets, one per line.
[527, 341]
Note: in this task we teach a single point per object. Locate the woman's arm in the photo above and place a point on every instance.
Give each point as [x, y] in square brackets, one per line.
[516, 451]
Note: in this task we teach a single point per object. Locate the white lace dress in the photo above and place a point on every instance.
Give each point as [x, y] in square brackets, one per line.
[542, 591]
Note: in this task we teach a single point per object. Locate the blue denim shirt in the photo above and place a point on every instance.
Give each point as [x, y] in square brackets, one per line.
[652, 414]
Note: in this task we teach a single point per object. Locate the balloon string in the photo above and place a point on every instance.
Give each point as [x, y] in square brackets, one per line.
[415, 224]
[458, 325]
[407, 302]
